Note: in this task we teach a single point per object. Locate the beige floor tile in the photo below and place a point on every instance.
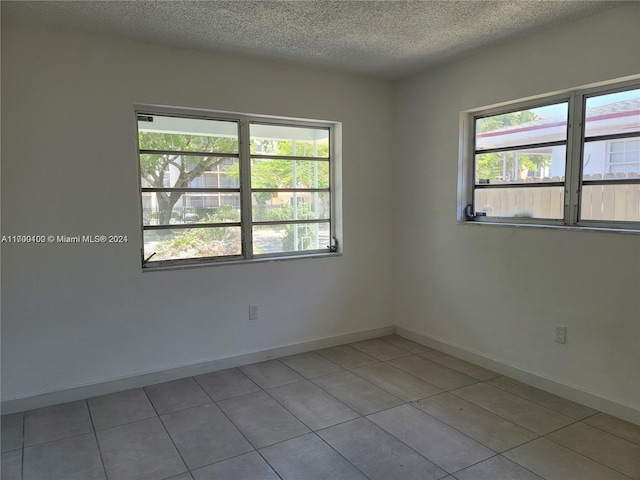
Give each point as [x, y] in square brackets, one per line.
[56, 422]
[75, 458]
[522, 412]
[11, 427]
[261, 419]
[405, 343]
[310, 364]
[347, 356]
[459, 365]
[491, 430]
[546, 399]
[377, 454]
[312, 405]
[142, 450]
[555, 462]
[433, 373]
[176, 395]
[439, 443]
[309, 458]
[119, 408]
[11, 465]
[362, 396]
[271, 373]
[398, 383]
[204, 435]
[380, 350]
[614, 452]
[496, 468]
[616, 426]
[250, 466]
[227, 383]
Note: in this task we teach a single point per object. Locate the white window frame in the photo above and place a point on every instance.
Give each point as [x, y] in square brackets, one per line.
[611, 164]
[244, 155]
[575, 142]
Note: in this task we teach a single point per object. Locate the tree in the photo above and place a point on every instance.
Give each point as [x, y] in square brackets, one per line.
[510, 165]
[154, 166]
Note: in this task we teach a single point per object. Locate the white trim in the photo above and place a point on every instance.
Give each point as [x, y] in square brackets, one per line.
[575, 140]
[243, 121]
[571, 392]
[90, 390]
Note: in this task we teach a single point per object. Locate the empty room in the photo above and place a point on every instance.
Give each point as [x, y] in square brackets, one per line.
[318, 240]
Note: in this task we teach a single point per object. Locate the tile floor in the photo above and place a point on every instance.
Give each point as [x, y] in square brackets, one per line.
[380, 409]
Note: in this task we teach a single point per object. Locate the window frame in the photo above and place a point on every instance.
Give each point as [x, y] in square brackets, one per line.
[573, 178]
[611, 164]
[244, 156]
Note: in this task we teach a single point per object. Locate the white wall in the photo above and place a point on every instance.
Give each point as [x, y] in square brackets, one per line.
[75, 314]
[499, 291]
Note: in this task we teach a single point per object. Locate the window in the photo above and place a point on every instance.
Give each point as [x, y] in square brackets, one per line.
[220, 187]
[570, 159]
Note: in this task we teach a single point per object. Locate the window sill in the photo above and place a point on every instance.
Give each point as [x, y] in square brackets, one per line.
[585, 228]
[224, 263]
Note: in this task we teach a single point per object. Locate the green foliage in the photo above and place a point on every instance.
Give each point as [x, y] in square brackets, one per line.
[287, 147]
[154, 166]
[268, 173]
[200, 242]
[508, 165]
[186, 143]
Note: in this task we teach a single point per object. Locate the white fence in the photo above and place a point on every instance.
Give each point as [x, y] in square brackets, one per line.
[616, 201]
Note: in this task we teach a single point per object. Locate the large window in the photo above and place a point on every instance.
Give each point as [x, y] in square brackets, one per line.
[218, 187]
[570, 159]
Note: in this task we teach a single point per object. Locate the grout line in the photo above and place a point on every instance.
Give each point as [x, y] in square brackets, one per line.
[573, 420]
[476, 463]
[167, 431]
[409, 446]
[455, 369]
[95, 436]
[584, 455]
[341, 455]
[540, 404]
[452, 392]
[608, 431]
[236, 426]
[401, 371]
[344, 369]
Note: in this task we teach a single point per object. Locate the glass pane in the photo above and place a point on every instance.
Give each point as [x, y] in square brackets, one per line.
[285, 140]
[290, 237]
[165, 208]
[188, 171]
[523, 127]
[279, 173]
[192, 243]
[543, 164]
[157, 132]
[611, 202]
[611, 159]
[278, 206]
[613, 113]
[533, 202]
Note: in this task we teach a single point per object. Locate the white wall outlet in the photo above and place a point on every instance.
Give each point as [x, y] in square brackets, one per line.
[561, 334]
[253, 312]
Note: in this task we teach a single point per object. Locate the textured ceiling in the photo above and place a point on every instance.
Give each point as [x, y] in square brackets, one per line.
[382, 38]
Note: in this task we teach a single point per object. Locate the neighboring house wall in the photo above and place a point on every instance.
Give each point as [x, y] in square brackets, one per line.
[78, 314]
[500, 291]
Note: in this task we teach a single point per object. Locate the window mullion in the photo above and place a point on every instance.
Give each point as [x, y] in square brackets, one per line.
[245, 190]
[573, 172]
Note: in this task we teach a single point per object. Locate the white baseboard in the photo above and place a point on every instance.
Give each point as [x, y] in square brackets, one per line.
[83, 392]
[570, 392]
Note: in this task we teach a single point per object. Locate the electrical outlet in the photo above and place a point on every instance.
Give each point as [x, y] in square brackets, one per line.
[561, 334]
[253, 312]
